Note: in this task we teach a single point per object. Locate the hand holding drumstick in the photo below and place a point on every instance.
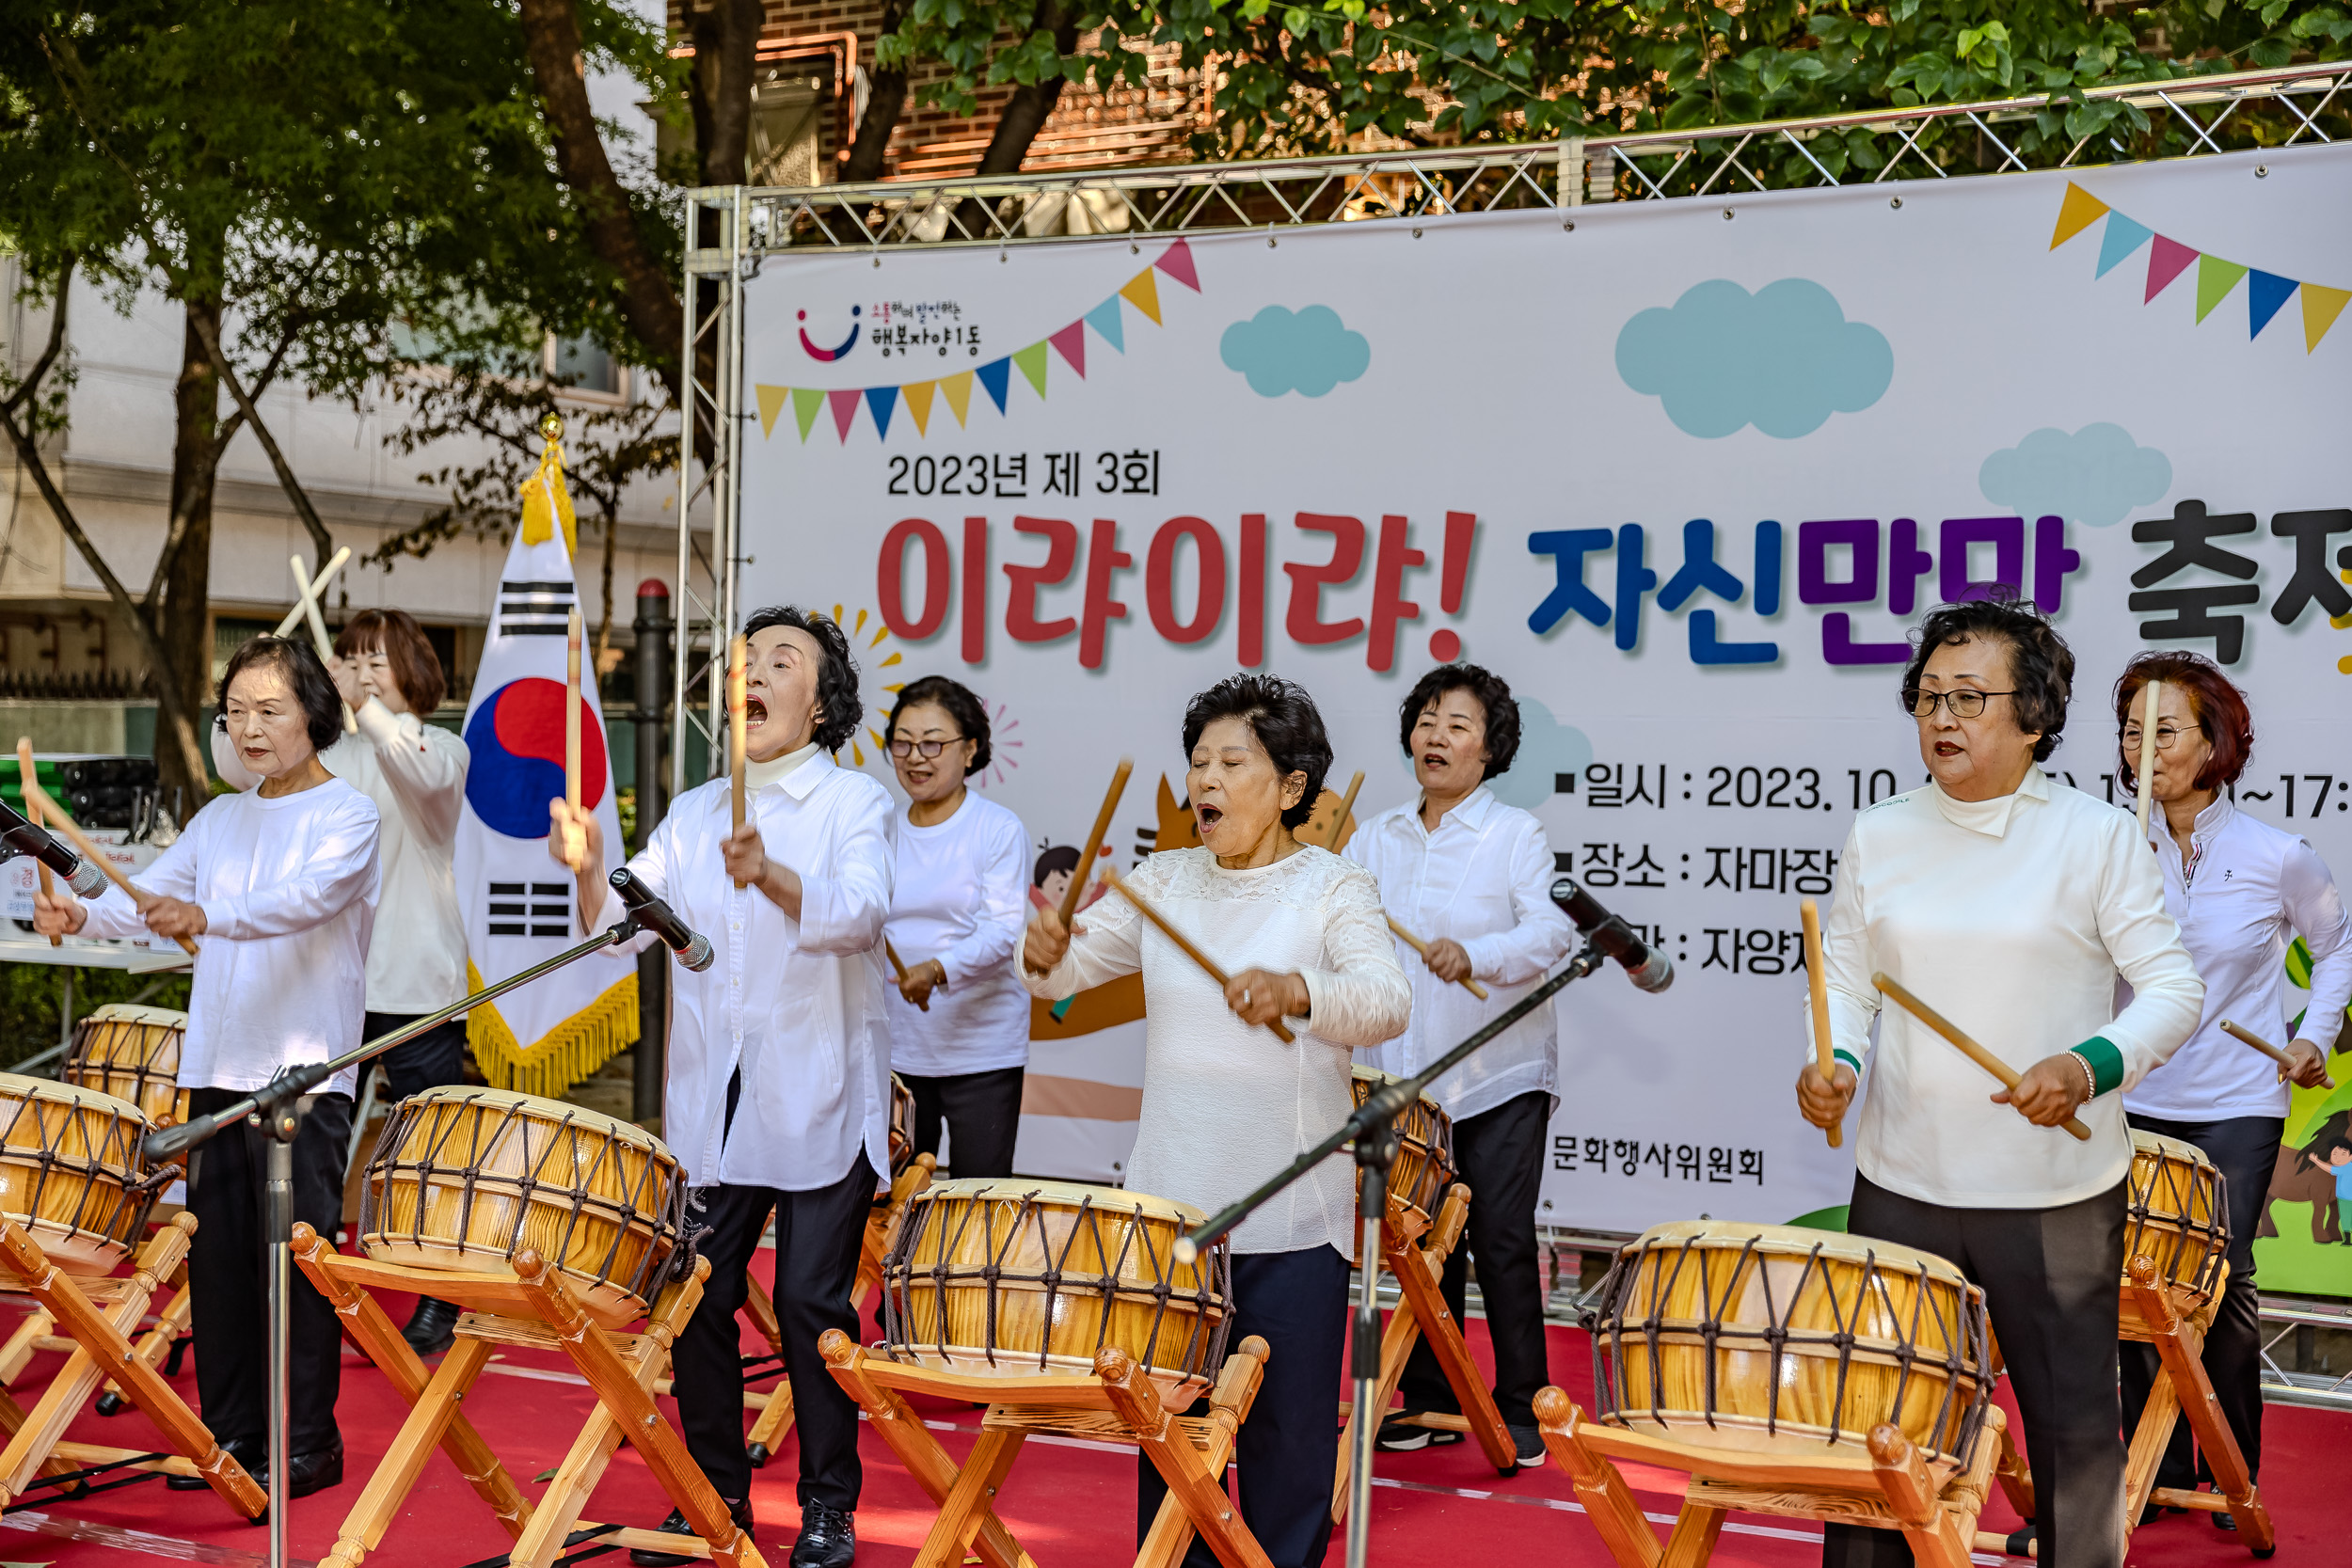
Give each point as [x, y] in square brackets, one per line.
[1255, 995]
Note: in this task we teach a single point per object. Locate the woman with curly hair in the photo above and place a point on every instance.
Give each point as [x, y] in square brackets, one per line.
[2241, 891]
[1225, 1104]
[2013, 903]
[1473, 878]
[778, 1093]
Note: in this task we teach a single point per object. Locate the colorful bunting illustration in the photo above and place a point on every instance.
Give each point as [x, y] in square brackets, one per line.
[2266, 292]
[1068, 343]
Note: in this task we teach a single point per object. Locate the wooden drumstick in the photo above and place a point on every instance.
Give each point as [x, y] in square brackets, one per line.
[32, 814]
[58, 819]
[1968, 1048]
[1823, 1059]
[895, 962]
[2286, 1063]
[1423, 948]
[1338, 821]
[309, 606]
[736, 652]
[2148, 755]
[1144, 907]
[571, 711]
[1071, 895]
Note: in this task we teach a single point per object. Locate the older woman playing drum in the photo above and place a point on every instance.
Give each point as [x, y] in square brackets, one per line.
[2242, 890]
[2012, 903]
[1225, 1102]
[281, 884]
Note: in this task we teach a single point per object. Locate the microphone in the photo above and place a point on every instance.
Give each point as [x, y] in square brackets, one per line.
[692, 947]
[1645, 965]
[83, 876]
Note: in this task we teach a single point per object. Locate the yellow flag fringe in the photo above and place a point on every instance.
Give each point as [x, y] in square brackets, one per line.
[570, 1051]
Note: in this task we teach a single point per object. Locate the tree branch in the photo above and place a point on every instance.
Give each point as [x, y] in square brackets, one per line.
[648, 302]
[28, 389]
[286, 479]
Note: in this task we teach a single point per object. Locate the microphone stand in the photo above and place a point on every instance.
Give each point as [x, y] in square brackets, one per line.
[1371, 1130]
[277, 1108]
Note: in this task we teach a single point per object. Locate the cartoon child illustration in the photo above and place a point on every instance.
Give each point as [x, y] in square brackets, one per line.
[2339, 1159]
[1049, 878]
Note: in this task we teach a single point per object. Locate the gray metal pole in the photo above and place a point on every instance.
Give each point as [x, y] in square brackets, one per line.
[653, 965]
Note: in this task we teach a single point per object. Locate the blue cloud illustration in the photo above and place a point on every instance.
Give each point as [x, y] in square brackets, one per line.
[2095, 477]
[1547, 747]
[1783, 360]
[1309, 352]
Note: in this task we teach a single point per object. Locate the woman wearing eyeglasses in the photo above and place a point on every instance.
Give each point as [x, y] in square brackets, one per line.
[2241, 891]
[2012, 904]
[960, 1023]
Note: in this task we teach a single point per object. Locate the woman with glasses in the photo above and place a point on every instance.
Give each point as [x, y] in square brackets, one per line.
[960, 1022]
[2012, 904]
[2241, 891]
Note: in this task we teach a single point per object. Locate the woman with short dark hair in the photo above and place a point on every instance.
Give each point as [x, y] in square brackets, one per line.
[1471, 876]
[389, 678]
[960, 1022]
[281, 883]
[2241, 891]
[2012, 905]
[1225, 1104]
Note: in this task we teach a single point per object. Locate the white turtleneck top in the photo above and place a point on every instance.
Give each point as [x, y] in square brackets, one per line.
[2013, 918]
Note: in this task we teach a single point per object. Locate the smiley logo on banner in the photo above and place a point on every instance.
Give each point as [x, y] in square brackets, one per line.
[829, 354]
[516, 739]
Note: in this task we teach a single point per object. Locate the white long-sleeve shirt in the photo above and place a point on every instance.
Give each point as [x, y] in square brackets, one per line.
[2012, 917]
[960, 893]
[415, 772]
[1482, 879]
[796, 1005]
[289, 890]
[1225, 1104]
[2253, 889]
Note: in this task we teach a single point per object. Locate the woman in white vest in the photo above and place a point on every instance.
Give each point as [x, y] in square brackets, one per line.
[2241, 891]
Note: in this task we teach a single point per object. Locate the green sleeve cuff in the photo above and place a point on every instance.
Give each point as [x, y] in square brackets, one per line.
[1850, 1059]
[2106, 1064]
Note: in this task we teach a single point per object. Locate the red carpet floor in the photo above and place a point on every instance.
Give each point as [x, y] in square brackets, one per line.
[1069, 1502]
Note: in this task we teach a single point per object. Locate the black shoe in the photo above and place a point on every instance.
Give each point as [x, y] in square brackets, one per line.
[252, 1453]
[1528, 1443]
[828, 1538]
[2222, 1521]
[432, 1327]
[306, 1473]
[646, 1556]
[1402, 1434]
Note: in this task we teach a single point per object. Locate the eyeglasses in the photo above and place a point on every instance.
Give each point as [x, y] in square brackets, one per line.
[2166, 735]
[1963, 703]
[929, 747]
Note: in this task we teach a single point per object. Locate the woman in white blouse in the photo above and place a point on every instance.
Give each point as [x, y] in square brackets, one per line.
[2012, 904]
[960, 1023]
[2242, 890]
[278, 888]
[387, 676]
[1226, 1104]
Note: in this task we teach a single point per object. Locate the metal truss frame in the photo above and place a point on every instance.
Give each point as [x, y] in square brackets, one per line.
[737, 229]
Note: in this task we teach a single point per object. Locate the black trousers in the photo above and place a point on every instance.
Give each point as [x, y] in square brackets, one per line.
[1500, 1154]
[2049, 1278]
[2243, 1148]
[434, 1058]
[982, 1111]
[229, 1274]
[818, 1236]
[1288, 1448]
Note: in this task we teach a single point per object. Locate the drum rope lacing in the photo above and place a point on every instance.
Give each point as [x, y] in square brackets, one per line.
[1209, 1296]
[2142, 1214]
[639, 1211]
[107, 1167]
[1967, 1342]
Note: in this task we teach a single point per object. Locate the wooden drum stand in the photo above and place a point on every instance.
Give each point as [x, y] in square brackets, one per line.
[1883, 1484]
[98, 1316]
[775, 1406]
[2151, 1316]
[1416, 1250]
[1115, 1403]
[534, 1307]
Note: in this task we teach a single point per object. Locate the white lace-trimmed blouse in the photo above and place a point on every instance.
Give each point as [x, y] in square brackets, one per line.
[1225, 1104]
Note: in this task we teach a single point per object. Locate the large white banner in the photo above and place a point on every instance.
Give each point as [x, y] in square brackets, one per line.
[1682, 472]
